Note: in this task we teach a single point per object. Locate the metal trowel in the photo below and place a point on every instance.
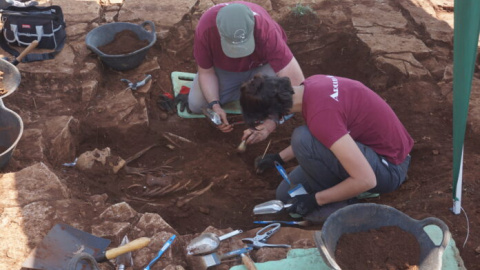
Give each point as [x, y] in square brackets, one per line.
[270, 207]
[295, 189]
[212, 116]
[208, 242]
[124, 260]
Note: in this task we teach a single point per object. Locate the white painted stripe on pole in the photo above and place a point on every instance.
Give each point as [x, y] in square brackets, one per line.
[457, 202]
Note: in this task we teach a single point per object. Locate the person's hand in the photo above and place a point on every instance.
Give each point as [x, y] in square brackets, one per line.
[267, 162]
[182, 99]
[303, 204]
[262, 131]
[224, 126]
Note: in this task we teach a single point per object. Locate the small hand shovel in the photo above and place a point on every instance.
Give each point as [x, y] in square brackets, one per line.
[270, 207]
[295, 190]
[208, 242]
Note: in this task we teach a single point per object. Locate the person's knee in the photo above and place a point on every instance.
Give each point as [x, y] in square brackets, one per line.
[282, 192]
[195, 107]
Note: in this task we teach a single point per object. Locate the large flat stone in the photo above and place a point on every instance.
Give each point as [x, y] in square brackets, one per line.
[382, 44]
[378, 18]
[164, 14]
[79, 10]
[34, 183]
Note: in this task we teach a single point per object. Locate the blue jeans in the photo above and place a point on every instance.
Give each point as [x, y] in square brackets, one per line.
[319, 169]
[229, 86]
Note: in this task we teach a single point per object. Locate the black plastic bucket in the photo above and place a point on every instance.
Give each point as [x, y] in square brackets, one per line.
[369, 216]
[105, 34]
[11, 130]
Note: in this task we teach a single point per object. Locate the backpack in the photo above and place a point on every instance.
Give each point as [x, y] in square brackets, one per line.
[22, 25]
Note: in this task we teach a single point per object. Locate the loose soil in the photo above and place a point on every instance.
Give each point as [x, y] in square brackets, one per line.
[124, 42]
[236, 189]
[385, 248]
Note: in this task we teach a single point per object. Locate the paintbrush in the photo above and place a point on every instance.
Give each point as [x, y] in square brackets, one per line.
[302, 223]
[243, 145]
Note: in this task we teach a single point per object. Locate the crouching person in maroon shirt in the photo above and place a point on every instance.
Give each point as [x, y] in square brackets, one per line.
[233, 42]
[352, 142]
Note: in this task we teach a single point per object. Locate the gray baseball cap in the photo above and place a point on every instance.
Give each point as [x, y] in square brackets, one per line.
[235, 23]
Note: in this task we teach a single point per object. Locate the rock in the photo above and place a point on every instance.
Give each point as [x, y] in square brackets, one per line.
[99, 200]
[403, 63]
[111, 230]
[120, 110]
[424, 14]
[174, 267]
[78, 11]
[63, 66]
[31, 146]
[150, 224]
[119, 212]
[164, 14]
[89, 90]
[145, 255]
[60, 133]
[34, 183]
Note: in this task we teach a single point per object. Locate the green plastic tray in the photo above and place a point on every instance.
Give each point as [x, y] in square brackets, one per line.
[180, 79]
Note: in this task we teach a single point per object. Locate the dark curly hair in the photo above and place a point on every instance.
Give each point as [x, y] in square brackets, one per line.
[265, 96]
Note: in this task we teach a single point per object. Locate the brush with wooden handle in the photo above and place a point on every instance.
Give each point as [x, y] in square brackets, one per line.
[242, 147]
[247, 261]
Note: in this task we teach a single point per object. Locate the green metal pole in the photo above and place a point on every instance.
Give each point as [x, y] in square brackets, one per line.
[465, 44]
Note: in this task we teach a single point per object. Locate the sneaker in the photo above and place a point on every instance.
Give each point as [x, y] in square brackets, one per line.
[366, 195]
[295, 215]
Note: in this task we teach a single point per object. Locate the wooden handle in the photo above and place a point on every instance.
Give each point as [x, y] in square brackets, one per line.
[247, 261]
[27, 50]
[134, 245]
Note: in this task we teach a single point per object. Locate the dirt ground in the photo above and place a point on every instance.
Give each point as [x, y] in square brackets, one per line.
[212, 158]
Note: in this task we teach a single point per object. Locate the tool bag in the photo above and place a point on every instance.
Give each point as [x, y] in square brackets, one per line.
[22, 25]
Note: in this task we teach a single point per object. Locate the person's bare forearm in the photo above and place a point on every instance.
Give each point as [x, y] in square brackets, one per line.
[344, 190]
[208, 84]
[293, 71]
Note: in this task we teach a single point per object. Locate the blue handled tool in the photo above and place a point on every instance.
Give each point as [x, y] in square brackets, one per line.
[299, 223]
[282, 172]
[165, 247]
[295, 190]
[135, 86]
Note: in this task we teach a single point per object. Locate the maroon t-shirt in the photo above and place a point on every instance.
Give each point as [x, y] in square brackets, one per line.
[335, 106]
[270, 43]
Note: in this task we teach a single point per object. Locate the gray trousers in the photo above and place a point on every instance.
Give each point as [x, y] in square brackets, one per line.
[229, 86]
[319, 169]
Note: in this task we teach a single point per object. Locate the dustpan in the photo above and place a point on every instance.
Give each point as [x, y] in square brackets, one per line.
[60, 245]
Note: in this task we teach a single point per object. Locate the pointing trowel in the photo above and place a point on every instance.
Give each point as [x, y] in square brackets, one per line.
[124, 260]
